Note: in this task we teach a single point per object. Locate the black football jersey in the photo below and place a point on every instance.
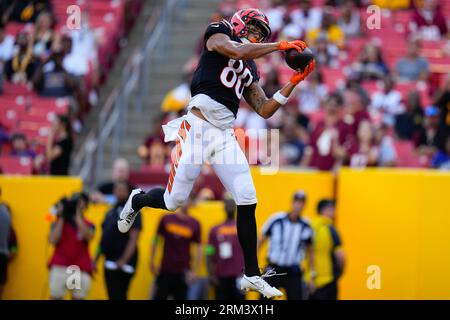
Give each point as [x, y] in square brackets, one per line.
[219, 77]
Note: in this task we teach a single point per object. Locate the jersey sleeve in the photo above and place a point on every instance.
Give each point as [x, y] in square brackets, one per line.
[335, 236]
[218, 27]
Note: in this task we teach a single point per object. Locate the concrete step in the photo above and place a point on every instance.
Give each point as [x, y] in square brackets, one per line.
[166, 73]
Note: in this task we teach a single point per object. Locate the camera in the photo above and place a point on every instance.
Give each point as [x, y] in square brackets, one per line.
[67, 207]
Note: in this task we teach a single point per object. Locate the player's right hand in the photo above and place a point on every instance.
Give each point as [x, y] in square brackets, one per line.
[299, 45]
[300, 76]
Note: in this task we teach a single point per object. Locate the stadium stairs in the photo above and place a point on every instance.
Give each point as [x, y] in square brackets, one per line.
[183, 39]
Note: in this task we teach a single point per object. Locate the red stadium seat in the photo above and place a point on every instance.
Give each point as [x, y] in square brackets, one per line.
[406, 156]
[40, 126]
[15, 89]
[333, 78]
[16, 165]
[9, 118]
[13, 28]
[46, 117]
[59, 105]
[42, 113]
[38, 135]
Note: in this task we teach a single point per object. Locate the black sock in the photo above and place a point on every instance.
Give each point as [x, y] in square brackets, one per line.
[153, 199]
[246, 229]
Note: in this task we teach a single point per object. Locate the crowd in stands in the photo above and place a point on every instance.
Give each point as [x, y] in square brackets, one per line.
[379, 96]
[52, 63]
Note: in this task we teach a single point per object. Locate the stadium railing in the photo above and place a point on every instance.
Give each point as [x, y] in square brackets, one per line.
[88, 161]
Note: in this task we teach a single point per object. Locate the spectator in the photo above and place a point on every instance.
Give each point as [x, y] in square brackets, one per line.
[8, 244]
[441, 160]
[355, 109]
[413, 67]
[22, 66]
[105, 191]
[59, 146]
[70, 235]
[224, 256]
[178, 98]
[276, 14]
[408, 123]
[325, 53]
[26, 11]
[120, 250]
[150, 151]
[328, 29]
[289, 236]
[442, 100]
[362, 152]
[290, 30]
[387, 153]
[427, 138]
[4, 135]
[328, 253]
[52, 80]
[81, 58]
[291, 145]
[370, 64]
[20, 147]
[388, 102]
[428, 22]
[350, 19]
[43, 35]
[327, 136]
[6, 46]
[84, 46]
[312, 93]
[307, 17]
[177, 270]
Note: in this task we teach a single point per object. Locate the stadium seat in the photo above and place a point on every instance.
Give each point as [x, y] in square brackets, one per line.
[16, 165]
[13, 28]
[9, 118]
[10, 88]
[406, 156]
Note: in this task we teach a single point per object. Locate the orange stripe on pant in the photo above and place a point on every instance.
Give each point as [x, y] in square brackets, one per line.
[175, 160]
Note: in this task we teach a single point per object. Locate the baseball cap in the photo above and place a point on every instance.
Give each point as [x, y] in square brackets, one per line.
[299, 195]
[431, 111]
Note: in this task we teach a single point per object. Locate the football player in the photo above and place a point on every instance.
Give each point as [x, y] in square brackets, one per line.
[226, 72]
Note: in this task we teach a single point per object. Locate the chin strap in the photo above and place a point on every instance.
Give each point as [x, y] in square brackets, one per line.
[245, 40]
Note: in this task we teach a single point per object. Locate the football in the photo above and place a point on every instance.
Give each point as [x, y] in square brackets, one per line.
[298, 60]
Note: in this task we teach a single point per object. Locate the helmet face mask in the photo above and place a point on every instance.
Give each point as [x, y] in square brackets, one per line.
[251, 22]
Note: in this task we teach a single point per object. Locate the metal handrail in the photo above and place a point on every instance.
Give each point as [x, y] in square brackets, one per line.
[88, 163]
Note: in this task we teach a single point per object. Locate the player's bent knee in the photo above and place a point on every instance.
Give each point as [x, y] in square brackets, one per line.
[245, 194]
[175, 200]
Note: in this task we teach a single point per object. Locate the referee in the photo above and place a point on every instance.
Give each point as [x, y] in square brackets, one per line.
[289, 236]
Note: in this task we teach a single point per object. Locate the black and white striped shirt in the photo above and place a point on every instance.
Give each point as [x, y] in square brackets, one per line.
[287, 239]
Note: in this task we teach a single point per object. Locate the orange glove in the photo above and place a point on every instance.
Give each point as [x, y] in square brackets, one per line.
[300, 76]
[296, 44]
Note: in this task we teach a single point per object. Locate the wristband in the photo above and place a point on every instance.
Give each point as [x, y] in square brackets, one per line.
[278, 97]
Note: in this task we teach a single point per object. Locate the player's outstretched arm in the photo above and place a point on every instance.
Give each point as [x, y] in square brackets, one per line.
[222, 43]
[265, 107]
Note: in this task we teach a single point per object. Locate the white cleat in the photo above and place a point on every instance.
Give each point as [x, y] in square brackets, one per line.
[257, 283]
[128, 215]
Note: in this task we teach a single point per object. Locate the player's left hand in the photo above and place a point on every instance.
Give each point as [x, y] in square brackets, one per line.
[300, 76]
[296, 44]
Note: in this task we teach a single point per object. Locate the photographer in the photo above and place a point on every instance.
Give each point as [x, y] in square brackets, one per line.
[70, 235]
